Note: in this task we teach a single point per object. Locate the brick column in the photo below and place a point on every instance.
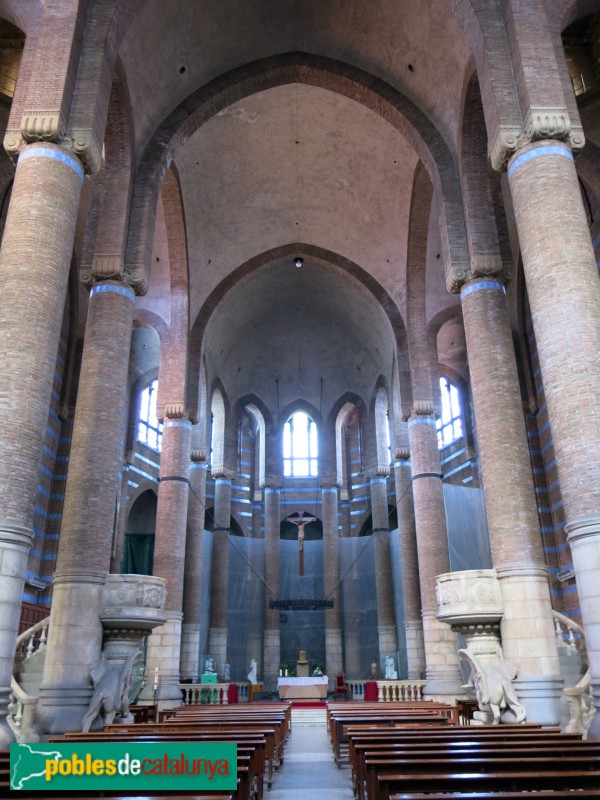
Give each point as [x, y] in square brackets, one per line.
[192, 580]
[164, 645]
[34, 270]
[272, 638]
[409, 566]
[564, 295]
[386, 620]
[75, 640]
[441, 649]
[528, 638]
[219, 597]
[334, 658]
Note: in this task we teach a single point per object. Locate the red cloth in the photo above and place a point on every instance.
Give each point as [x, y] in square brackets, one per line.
[232, 693]
[371, 694]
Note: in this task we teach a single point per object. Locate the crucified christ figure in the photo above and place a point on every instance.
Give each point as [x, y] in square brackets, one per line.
[300, 519]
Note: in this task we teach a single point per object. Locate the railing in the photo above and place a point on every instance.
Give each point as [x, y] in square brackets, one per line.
[21, 706]
[213, 694]
[388, 691]
[579, 697]
[31, 641]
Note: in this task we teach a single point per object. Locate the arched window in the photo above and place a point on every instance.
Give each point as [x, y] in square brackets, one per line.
[300, 446]
[149, 428]
[450, 426]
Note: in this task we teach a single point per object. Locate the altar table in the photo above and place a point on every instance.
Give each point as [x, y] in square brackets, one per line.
[302, 688]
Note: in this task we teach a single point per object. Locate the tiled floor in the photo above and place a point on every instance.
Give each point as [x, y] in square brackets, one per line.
[309, 771]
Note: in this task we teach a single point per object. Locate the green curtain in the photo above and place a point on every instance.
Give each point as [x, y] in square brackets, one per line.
[138, 554]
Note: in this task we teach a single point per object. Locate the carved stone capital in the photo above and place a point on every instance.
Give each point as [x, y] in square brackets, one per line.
[137, 277]
[174, 410]
[547, 123]
[377, 471]
[422, 408]
[456, 275]
[484, 265]
[85, 145]
[107, 267]
[505, 143]
[198, 456]
[221, 471]
[401, 453]
[42, 126]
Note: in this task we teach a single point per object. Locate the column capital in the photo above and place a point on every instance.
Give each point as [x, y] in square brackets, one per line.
[222, 471]
[50, 126]
[401, 453]
[198, 456]
[174, 409]
[541, 123]
[422, 408]
[377, 471]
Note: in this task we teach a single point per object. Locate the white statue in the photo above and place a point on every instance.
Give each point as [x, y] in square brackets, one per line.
[227, 672]
[209, 665]
[390, 671]
[252, 674]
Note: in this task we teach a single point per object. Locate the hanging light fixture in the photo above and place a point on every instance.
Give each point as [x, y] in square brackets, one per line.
[298, 261]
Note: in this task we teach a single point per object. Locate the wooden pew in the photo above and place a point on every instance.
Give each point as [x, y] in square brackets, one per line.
[552, 777]
[395, 755]
[547, 794]
[340, 724]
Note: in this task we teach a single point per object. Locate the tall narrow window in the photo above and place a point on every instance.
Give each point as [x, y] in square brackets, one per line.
[450, 426]
[300, 446]
[149, 428]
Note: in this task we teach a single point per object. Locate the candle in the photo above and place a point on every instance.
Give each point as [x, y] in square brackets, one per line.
[280, 673]
[286, 673]
[155, 678]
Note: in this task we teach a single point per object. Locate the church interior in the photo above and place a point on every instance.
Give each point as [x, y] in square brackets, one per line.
[306, 384]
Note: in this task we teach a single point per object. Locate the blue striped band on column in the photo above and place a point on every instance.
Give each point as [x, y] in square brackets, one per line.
[477, 286]
[114, 288]
[177, 423]
[57, 155]
[270, 490]
[538, 152]
[421, 421]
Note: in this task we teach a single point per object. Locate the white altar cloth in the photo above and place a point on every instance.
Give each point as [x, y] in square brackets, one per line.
[306, 688]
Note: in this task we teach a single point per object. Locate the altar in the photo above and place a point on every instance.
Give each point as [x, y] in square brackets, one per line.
[312, 688]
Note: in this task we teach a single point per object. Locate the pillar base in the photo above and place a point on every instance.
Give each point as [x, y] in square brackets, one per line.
[164, 648]
[62, 708]
[190, 652]
[541, 697]
[334, 661]
[443, 685]
[7, 735]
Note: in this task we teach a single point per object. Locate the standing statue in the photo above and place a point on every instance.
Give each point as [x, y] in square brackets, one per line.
[373, 670]
[492, 681]
[390, 671]
[110, 699]
[252, 679]
[227, 672]
[209, 665]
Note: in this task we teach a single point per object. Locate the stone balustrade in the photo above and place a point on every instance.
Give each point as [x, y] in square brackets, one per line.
[214, 694]
[388, 691]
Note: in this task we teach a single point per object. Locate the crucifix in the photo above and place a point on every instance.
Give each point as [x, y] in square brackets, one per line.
[300, 519]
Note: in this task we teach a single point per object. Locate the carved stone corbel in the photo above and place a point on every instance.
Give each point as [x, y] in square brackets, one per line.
[137, 277]
[504, 145]
[401, 454]
[457, 274]
[85, 145]
[42, 126]
[174, 409]
[198, 456]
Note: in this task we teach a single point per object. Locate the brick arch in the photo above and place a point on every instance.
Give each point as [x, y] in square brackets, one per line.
[474, 169]
[311, 70]
[418, 232]
[483, 25]
[323, 258]
[172, 385]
